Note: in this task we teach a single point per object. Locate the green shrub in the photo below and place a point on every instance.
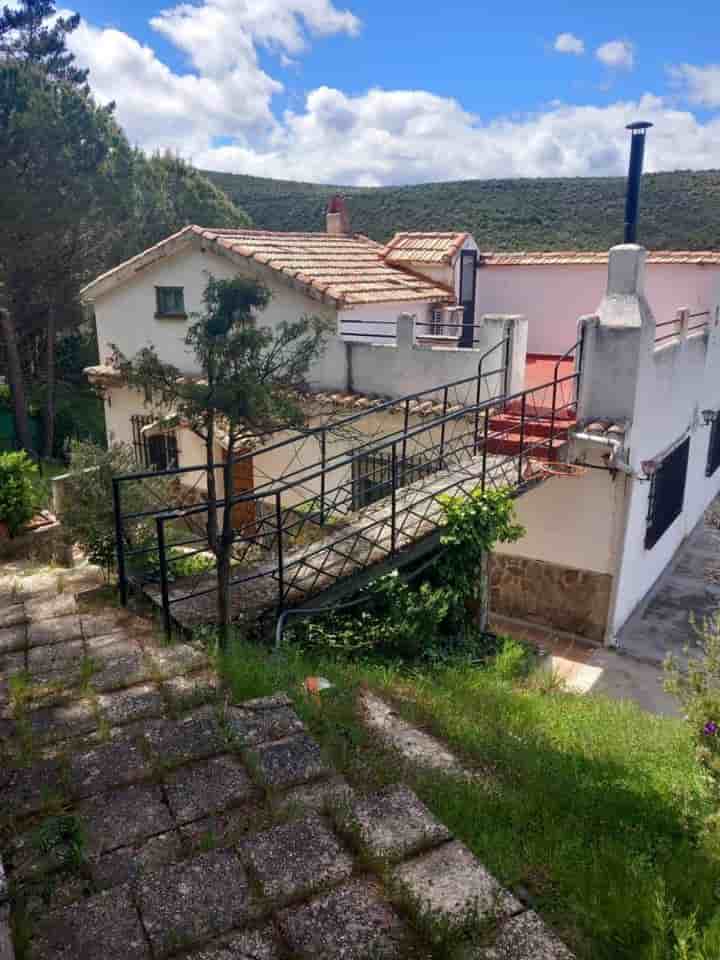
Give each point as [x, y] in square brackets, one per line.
[698, 690]
[436, 616]
[179, 563]
[17, 494]
[88, 504]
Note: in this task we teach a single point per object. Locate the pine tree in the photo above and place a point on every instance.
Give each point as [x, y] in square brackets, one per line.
[33, 33]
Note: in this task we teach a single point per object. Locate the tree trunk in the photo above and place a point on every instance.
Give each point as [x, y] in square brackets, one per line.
[49, 411]
[212, 524]
[17, 385]
[224, 552]
[484, 591]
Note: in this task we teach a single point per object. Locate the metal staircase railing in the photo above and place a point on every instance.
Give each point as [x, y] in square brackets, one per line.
[318, 525]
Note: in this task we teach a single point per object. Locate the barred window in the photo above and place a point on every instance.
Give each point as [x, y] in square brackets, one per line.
[667, 493]
[158, 451]
[713, 460]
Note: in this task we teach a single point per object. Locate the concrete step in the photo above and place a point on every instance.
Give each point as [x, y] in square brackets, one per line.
[534, 427]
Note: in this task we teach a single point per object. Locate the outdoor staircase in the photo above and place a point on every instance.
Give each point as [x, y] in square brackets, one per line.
[326, 526]
[507, 435]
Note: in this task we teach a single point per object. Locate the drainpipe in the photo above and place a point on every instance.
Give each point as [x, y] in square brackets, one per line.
[616, 446]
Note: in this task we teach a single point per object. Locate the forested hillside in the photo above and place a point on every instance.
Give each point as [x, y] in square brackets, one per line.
[679, 210]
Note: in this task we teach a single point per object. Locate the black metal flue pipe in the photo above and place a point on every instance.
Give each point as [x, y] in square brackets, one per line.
[632, 199]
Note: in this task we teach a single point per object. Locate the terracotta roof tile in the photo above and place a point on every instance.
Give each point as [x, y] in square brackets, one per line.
[565, 257]
[348, 270]
[423, 247]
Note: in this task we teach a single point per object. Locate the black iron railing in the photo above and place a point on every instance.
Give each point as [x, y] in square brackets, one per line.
[298, 534]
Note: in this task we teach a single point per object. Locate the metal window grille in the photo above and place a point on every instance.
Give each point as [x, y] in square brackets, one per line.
[667, 492]
[158, 451]
[372, 475]
[170, 301]
[713, 460]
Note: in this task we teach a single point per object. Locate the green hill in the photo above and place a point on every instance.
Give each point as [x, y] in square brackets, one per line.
[679, 210]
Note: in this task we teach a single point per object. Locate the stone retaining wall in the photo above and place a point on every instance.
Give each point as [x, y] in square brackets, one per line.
[576, 601]
[43, 545]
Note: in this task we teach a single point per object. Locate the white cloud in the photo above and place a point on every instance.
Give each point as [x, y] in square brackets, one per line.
[218, 34]
[163, 109]
[384, 137]
[569, 43]
[701, 84]
[375, 137]
[617, 54]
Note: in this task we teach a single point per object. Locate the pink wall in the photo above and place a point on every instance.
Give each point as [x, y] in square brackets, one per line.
[553, 297]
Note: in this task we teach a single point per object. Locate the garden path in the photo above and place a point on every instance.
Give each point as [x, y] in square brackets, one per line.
[144, 815]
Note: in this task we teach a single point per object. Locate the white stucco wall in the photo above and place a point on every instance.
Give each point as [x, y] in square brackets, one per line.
[660, 390]
[405, 368]
[571, 522]
[376, 322]
[675, 384]
[553, 297]
[125, 315]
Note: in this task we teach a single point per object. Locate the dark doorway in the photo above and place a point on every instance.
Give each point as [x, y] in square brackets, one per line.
[468, 274]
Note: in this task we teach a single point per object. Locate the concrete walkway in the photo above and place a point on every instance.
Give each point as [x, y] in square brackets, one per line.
[590, 669]
[144, 815]
[691, 586]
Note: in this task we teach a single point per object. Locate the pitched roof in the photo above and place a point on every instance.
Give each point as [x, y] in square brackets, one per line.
[423, 247]
[564, 257]
[343, 270]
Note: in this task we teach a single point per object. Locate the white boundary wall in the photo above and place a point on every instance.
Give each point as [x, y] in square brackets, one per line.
[660, 390]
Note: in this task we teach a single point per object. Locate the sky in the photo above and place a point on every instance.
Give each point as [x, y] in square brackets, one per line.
[393, 91]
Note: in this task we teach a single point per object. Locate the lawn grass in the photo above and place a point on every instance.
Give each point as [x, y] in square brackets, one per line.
[597, 809]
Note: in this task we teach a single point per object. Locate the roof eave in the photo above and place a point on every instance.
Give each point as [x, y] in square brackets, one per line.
[124, 271]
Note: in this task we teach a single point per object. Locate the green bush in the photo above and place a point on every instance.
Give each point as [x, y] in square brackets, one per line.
[17, 494]
[88, 504]
[435, 616]
[698, 690]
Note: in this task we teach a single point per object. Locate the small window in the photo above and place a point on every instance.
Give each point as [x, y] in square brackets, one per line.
[162, 451]
[713, 460]
[170, 301]
[667, 493]
[436, 321]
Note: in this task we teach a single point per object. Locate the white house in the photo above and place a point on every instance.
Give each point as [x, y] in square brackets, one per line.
[420, 313]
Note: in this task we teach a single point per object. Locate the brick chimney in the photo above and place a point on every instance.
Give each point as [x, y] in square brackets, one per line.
[336, 219]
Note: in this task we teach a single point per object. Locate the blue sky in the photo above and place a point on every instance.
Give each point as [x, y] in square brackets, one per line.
[378, 92]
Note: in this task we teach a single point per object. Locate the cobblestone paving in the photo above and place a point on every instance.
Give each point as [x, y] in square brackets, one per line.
[144, 816]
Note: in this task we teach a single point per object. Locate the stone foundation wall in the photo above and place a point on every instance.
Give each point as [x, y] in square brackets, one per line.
[576, 601]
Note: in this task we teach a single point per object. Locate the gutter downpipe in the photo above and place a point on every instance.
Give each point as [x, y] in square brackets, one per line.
[616, 446]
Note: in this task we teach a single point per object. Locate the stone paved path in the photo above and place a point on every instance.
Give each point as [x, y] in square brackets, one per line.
[691, 585]
[144, 816]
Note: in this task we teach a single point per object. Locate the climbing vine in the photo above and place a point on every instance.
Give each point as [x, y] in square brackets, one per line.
[474, 525]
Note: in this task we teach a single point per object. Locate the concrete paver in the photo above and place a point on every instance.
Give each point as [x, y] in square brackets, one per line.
[214, 832]
[297, 858]
[392, 824]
